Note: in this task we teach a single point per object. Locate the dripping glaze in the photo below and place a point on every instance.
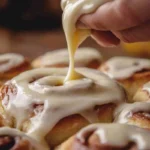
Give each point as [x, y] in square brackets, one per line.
[72, 10]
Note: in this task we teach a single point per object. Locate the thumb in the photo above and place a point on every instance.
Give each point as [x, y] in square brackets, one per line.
[117, 15]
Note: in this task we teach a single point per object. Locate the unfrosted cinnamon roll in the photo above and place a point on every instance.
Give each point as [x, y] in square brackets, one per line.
[84, 57]
[109, 137]
[132, 73]
[45, 107]
[12, 139]
[137, 114]
[12, 64]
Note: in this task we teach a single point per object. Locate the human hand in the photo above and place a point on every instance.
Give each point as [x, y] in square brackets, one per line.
[125, 20]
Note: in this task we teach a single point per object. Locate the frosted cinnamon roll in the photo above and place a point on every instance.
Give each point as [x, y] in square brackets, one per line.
[132, 73]
[137, 114]
[109, 137]
[46, 108]
[84, 57]
[12, 64]
[12, 139]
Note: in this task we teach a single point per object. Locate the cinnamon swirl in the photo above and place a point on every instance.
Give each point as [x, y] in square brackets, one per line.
[12, 139]
[84, 57]
[132, 73]
[109, 137]
[12, 64]
[43, 106]
[137, 114]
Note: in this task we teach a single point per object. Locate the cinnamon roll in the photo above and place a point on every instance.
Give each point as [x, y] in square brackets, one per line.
[137, 114]
[12, 139]
[12, 64]
[84, 57]
[43, 106]
[132, 73]
[109, 137]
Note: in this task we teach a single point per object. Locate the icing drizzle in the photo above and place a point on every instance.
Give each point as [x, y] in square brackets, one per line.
[125, 134]
[125, 111]
[10, 61]
[45, 87]
[82, 57]
[124, 67]
[73, 9]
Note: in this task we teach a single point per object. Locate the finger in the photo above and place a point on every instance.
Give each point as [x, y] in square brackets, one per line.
[118, 15]
[105, 38]
[135, 34]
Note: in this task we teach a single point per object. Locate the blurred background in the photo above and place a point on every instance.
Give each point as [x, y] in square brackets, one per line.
[32, 27]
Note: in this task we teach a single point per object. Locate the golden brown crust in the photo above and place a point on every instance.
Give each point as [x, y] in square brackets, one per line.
[92, 143]
[5, 76]
[133, 83]
[141, 95]
[65, 129]
[70, 125]
[140, 119]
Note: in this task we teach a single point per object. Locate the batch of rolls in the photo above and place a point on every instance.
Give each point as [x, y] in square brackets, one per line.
[107, 109]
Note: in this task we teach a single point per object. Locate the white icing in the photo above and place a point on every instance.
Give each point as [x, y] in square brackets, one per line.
[73, 9]
[124, 67]
[124, 112]
[82, 57]
[117, 135]
[9, 61]
[6, 131]
[73, 97]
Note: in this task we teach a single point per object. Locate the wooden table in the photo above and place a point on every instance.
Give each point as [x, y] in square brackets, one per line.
[35, 43]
